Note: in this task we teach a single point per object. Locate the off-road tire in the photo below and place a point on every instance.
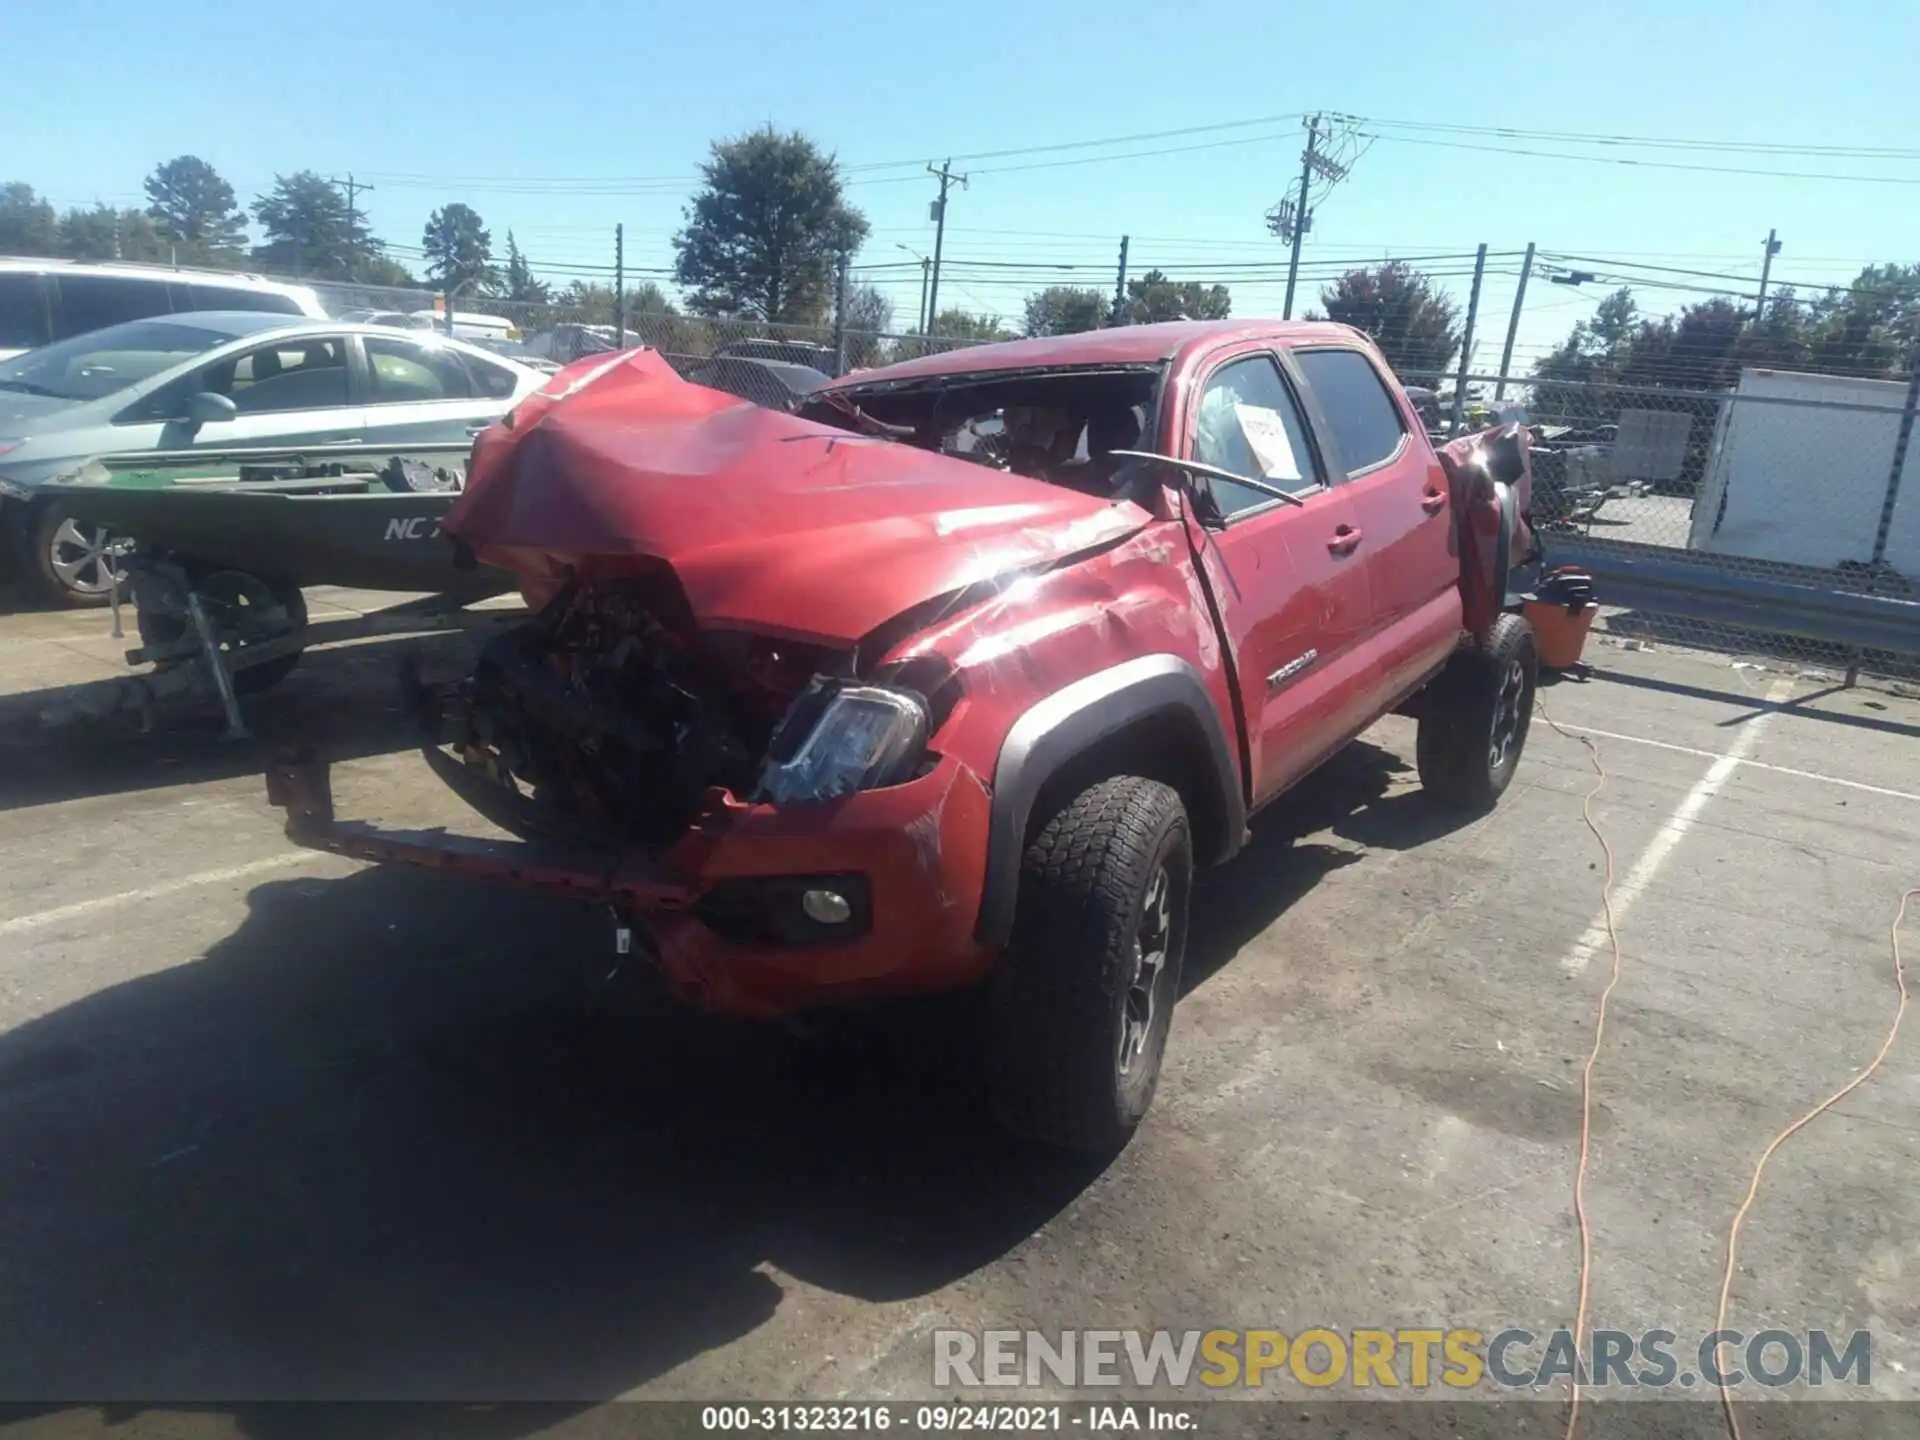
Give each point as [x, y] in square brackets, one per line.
[1483, 685]
[1065, 1066]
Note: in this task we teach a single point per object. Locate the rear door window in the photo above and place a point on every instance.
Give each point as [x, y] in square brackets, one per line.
[493, 382]
[402, 371]
[23, 312]
[82, 303]
[1366, 425]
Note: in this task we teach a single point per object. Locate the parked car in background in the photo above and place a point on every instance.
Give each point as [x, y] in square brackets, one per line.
[468, 325]
[42, 301]
[517, 351]
[398, 319]
[790, 352]
[777, 384]
[220, 382]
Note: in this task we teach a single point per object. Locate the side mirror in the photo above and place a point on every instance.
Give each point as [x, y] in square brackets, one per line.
[208, 408]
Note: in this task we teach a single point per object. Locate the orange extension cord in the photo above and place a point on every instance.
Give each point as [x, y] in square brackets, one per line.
[1586, 1072]
[1586, 1101]
[1753, 1185]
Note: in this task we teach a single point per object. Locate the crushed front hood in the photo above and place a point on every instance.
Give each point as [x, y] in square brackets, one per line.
[770, 523]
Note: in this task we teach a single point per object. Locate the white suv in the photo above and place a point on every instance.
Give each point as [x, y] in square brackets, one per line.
[46, 300]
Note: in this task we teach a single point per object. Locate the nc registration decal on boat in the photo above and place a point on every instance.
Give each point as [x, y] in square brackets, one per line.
[415, 527]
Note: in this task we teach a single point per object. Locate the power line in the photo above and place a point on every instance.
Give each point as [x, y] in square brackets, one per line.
[866, 172]
[1892, 287]
[1110, 140]
[1133, 155]
[1657, 164]
[1755, 147]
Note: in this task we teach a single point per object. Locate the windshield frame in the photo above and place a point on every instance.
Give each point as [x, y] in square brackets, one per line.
[825, 405]
[31, 371]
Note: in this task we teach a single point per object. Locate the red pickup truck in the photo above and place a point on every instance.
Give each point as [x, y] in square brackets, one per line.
[951, 678]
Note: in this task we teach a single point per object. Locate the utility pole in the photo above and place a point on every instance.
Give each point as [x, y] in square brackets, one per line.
[353, 189]
[1513, 324]
[620, 287]
[1120, 285]
[1293, 216]
[1766, 269]
[926, 271]
[1300, 214]
[1466, 340]
[840, 314]
[939, 217]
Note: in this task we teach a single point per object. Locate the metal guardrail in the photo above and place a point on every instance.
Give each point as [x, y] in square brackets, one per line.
[1827, 607]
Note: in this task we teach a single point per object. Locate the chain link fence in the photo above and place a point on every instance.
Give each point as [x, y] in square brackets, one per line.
[1778, 516]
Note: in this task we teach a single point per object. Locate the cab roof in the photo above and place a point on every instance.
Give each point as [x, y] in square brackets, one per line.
[1120, 345]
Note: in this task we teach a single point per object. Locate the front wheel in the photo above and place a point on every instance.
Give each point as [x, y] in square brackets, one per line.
[1474, 719]
[1083, 998]
[69, 561]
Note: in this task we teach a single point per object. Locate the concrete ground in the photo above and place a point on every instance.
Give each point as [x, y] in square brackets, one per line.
[274, 1125]
[1645, 520]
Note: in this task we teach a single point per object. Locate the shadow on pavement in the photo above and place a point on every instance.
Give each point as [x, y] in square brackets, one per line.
[382, 1143]
[1348, 796]
[1738, 640]
[345, 701]
[1753, 706]
[373, 1146]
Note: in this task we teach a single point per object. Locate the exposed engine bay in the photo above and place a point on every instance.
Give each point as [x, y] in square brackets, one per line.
[609, 715]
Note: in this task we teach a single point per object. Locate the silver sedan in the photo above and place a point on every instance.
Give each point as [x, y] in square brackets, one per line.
[193, 385]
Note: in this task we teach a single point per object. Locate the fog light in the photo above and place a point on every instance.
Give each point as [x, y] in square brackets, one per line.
[826, 907]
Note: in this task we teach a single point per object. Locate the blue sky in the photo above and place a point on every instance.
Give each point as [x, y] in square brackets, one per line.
[560, 119]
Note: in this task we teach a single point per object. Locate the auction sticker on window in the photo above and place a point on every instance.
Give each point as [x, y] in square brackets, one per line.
[1266, 432]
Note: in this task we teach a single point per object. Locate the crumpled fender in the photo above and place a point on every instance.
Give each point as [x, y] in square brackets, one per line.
[1490, 477]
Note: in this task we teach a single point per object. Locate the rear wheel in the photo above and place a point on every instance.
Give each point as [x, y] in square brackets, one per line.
[1082, 1001]
[1473, 724]
[233, 600]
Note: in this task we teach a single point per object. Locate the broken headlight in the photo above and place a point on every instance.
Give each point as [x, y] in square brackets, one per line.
[840, 737]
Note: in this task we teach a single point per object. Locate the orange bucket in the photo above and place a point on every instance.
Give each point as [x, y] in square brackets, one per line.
[1559, 634]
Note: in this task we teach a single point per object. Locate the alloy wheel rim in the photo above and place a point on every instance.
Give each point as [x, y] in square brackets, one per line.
[1152, 941]
[81, 558]
[1507, 711]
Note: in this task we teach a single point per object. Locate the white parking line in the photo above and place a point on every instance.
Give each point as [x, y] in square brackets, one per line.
[44, 918]
[1672, 830]
[1742, 760]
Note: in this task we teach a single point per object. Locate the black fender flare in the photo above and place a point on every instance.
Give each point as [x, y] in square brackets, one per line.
[1065, 725]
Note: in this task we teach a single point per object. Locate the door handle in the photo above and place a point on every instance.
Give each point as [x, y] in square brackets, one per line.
[1433, 501]
[1345, 540]
[473, 430]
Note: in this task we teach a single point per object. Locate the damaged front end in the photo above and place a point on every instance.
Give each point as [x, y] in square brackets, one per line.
[610, 718]
[739, 801]
[699, 726]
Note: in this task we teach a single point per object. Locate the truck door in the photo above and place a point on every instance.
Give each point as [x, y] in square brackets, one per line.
[1400, 500]
[1289, 579]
